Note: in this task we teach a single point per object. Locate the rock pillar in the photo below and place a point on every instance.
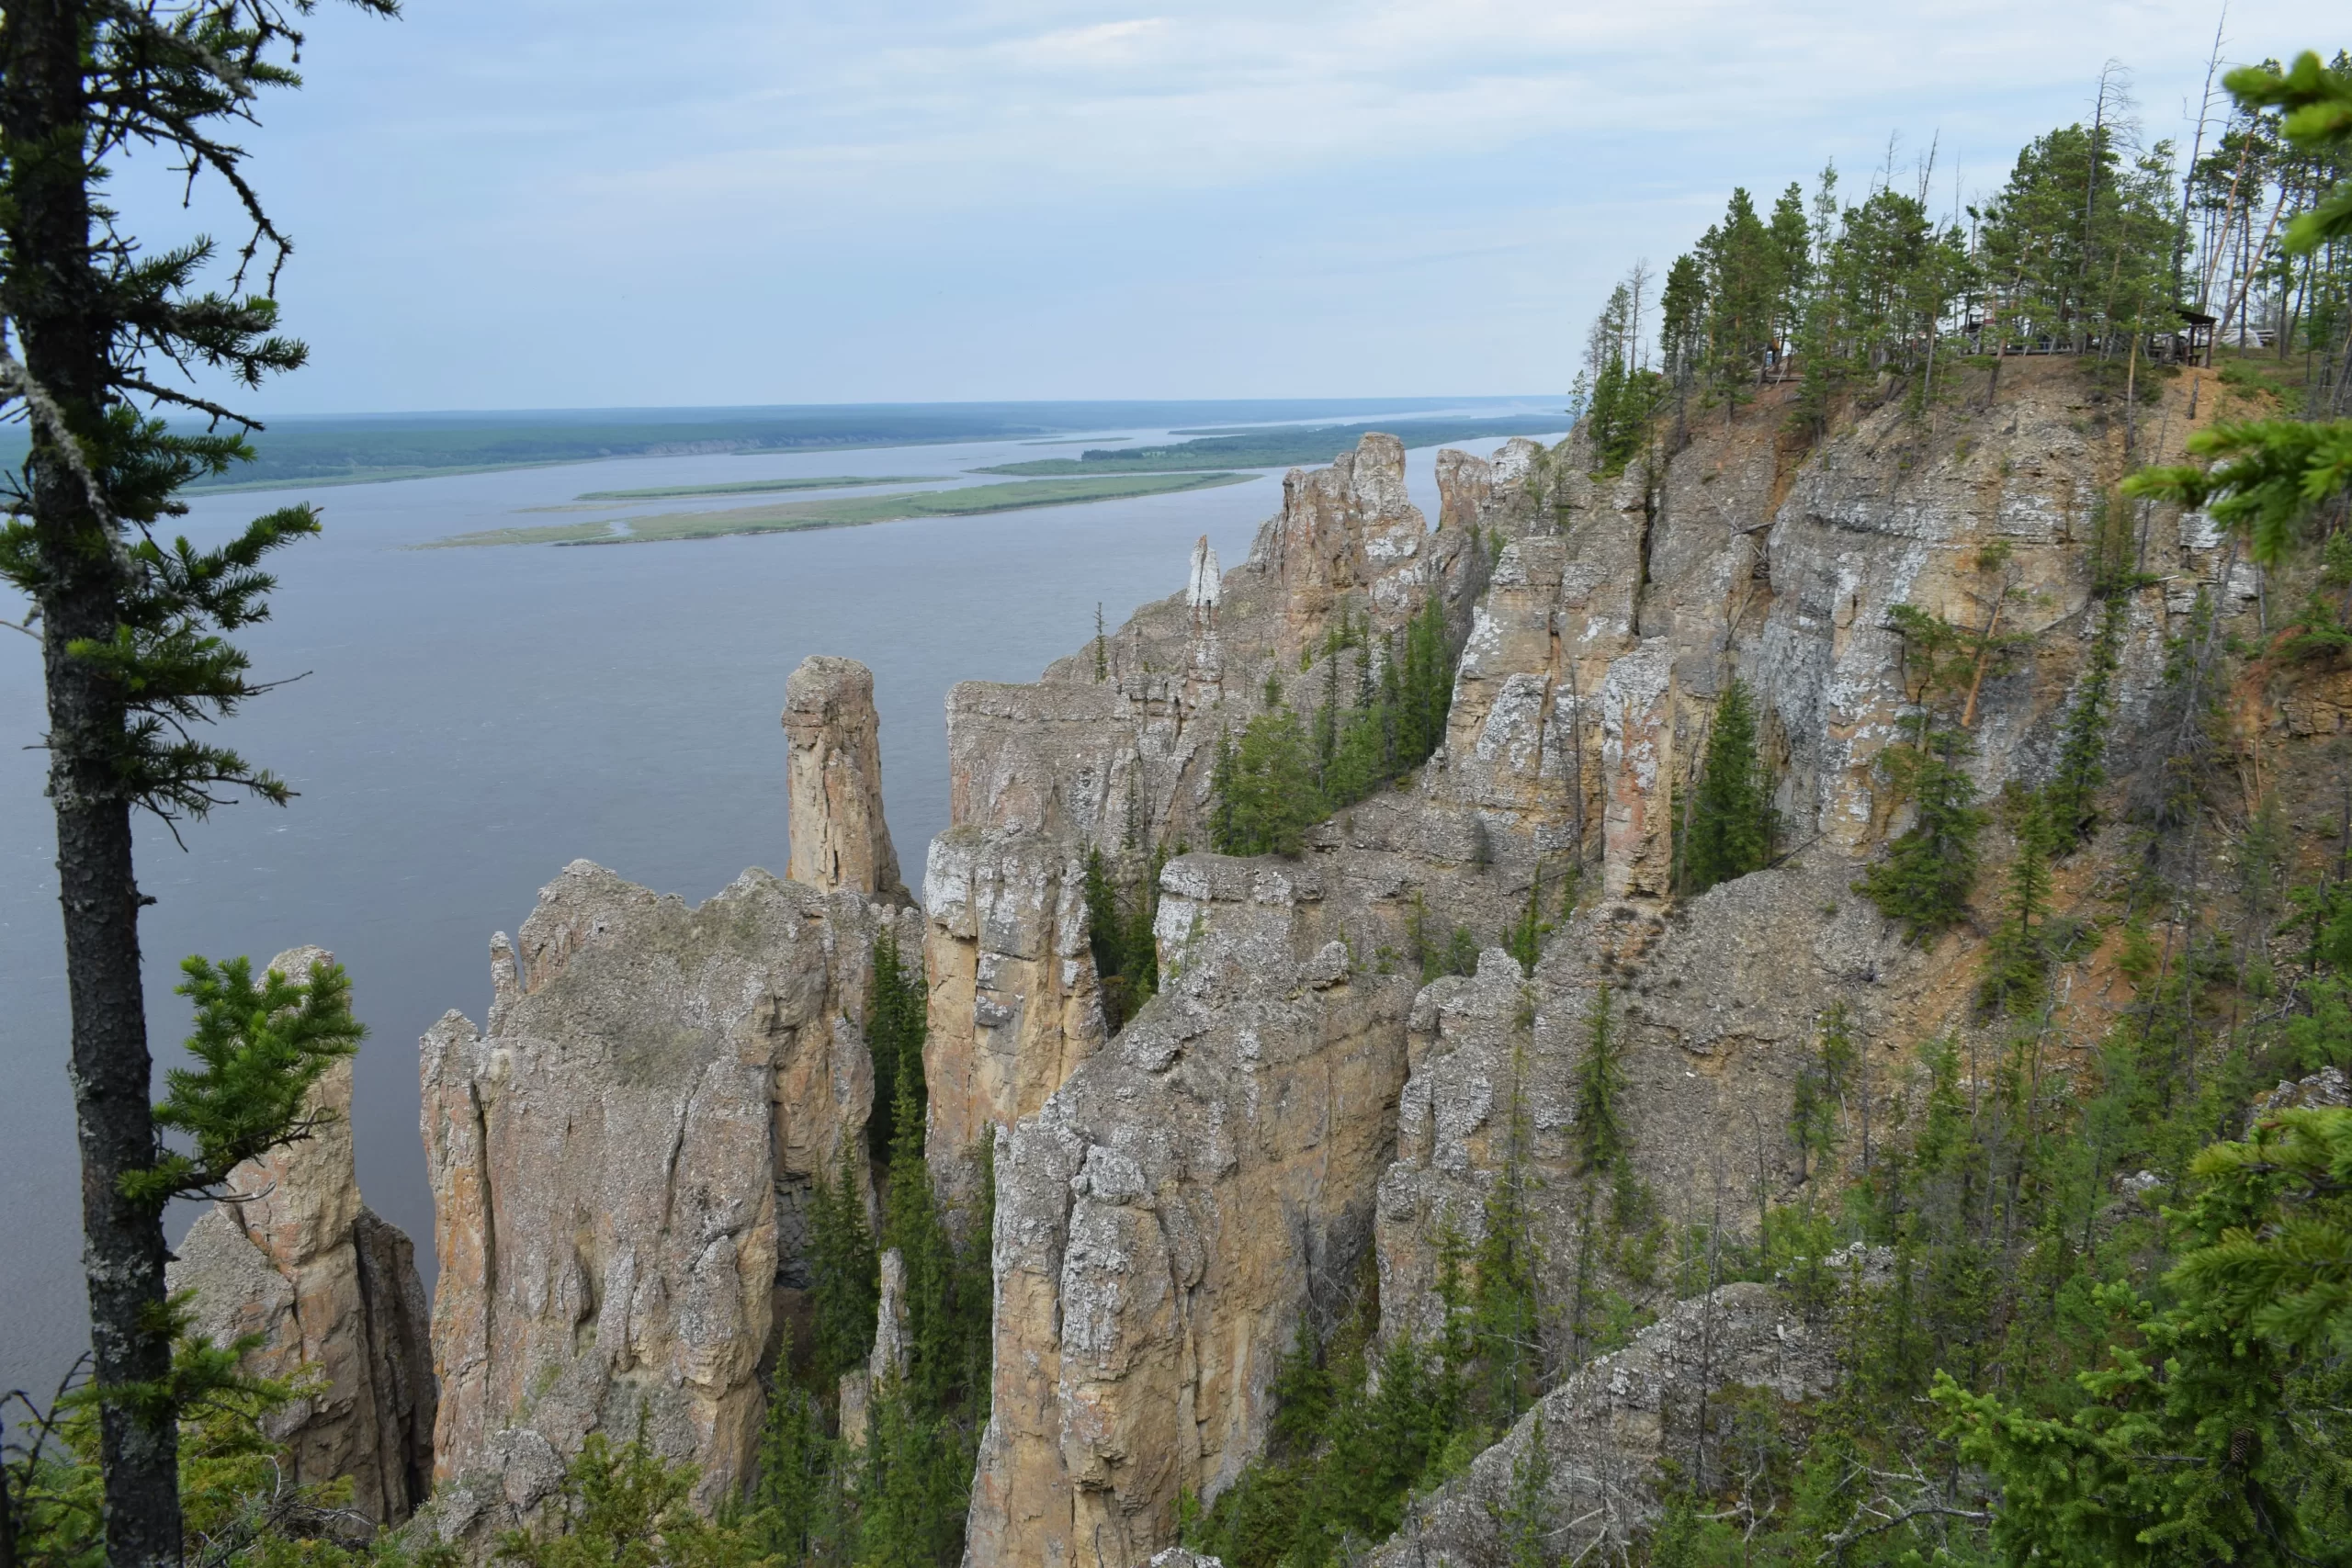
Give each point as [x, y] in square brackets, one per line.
[332, 1289]
[834, 775]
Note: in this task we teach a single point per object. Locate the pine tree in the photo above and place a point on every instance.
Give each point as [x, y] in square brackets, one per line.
[897, 1021]
[2016, 965]
[1730, 811]
[2269, 479]
[1925, 880]
[1821, 1088]
[845, 1279]
[133, 630]
[1600, 1082]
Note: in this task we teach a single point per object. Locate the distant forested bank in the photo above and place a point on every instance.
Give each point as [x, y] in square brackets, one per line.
[359, 449]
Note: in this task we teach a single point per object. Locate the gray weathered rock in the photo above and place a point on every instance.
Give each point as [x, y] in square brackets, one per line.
[1602, 622]
[1607, 1427]
[620, 1166]
[334, 1291]
[833, 780]
[1167, 1216]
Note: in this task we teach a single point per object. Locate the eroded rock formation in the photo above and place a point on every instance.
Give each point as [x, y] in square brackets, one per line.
[621, 1163]
[1302, 1104]
[1170, 1205]
[833, 778]
[1152, 1258]
[334, 1291]
[1607, 1427]
[622, 1160]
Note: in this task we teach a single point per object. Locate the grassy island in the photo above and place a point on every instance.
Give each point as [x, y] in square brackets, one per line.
[848, 512]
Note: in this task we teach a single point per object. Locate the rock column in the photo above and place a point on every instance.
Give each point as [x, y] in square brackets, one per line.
[333, 1290]
[833, 774]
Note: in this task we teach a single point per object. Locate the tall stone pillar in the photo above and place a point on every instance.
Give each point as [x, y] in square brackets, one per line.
[833, 776]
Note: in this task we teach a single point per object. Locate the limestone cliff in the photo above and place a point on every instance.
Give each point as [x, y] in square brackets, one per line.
[1039, 775]
[1172, 1205]
[1609, 1424]
[1159, 1239]
[296, 1258]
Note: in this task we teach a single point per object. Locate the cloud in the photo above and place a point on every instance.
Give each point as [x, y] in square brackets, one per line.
[1101, 45]
[774, 200]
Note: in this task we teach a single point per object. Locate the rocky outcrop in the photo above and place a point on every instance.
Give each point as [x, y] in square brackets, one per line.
[1601, 621]
[833, 780]
[1014, 1003]
[1173, 1203]
[298, 1258]
[1166, 1219]
[1605, 1430]
[1712, 1012]
[621, 1164]
[1041, 773]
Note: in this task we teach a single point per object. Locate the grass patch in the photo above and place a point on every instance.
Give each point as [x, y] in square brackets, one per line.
[848, 512]
[758, 486]
[1278, 446]
[547, 534]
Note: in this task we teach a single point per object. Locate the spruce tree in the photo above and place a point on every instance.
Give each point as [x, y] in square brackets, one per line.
[1269, 798]
[132, 628]
[1925, 880]
[1525, 1515]
[1600, 1083]
[897, 1021]
[844, 1275]
[2018, 962]
[1730, 811]
[1524, 940]
[1505, 1323]
[2072, 797]
[1821, 1088]
[911, 1225]
[797, 1499]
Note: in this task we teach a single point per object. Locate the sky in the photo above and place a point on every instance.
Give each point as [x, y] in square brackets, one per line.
[516, 204]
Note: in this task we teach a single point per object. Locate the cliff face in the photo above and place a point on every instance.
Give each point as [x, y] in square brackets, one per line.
[1041, 773]
[621, 1161]
[334, 1291]
[1170, 1212]
[1171, 1204]
[1156, 1246]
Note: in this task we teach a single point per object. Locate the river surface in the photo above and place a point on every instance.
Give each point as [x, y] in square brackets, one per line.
[468, 721]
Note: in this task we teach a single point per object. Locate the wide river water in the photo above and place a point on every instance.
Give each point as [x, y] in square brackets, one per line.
[469, 720]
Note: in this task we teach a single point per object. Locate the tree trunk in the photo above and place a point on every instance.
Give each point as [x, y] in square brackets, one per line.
[64, 337]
